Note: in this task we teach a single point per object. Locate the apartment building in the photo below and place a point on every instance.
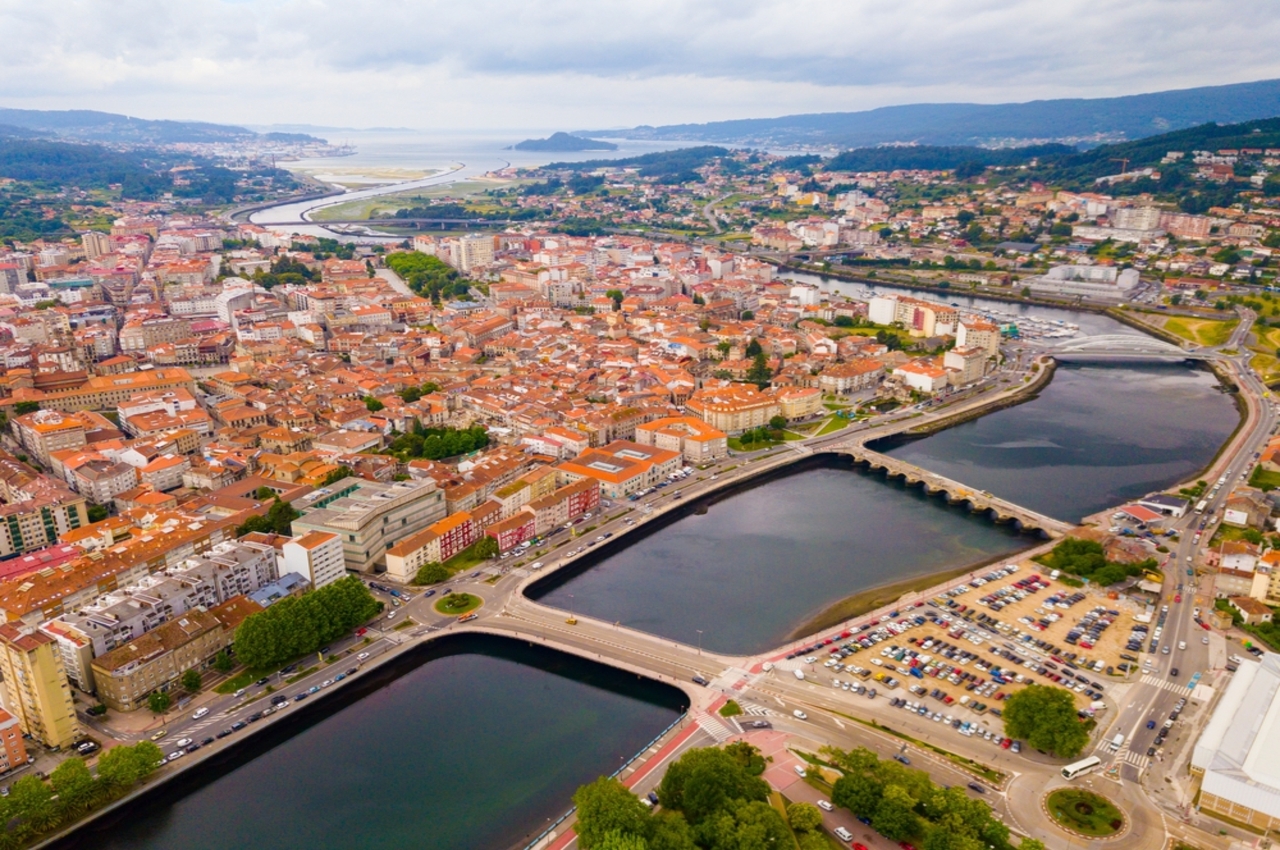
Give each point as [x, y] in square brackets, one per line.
[734, 408]
[316, 556]
[978, 333]
[622, 467]
[47, 431]
[437, 543]
[695, 440]
[156, 660]
[104, 392]
[36, 688]
[371, 516]
[13, 752]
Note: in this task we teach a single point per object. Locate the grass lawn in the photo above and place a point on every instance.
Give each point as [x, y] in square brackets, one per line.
[464, 560]
[457, 604]
[730, 709]
[1201, 331]
[1264, 478]
[757, 445]
[1085, 812]
[835, 423]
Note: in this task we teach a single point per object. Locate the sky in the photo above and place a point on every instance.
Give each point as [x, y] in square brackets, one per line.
[596, 64]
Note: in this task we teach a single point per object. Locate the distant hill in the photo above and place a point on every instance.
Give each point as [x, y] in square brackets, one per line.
[937, 158]
[563, 143]
[1075, 121]
[88, 125]
[674, 166]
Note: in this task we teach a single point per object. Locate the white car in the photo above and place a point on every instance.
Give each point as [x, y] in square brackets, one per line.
[183, 742]
[200, 712]
[826, 806]
[800, 715]
[362, 656]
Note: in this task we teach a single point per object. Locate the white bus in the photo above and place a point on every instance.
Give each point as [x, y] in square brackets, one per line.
[1081, 767]
[1202, 505]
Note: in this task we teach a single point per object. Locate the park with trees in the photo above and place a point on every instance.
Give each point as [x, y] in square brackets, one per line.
[296, 626]
[1087, 560]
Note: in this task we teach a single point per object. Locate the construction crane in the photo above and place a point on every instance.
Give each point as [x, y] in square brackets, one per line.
[1124, 164]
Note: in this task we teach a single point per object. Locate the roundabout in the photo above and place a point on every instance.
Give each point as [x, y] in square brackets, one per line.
[457, 604]
[1084, 813]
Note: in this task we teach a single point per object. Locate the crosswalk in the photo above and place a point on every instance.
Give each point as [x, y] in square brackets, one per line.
[1138, 760]
[1157, 682]
[714, 728]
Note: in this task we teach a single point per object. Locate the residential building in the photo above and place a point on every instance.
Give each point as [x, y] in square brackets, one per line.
[317, 556]
[978, 333]
[437, 543]
[967, 364]
[694, 439]
[734, 408]
[13, 752]
[36, 688]
[622, 467]
[47, 431]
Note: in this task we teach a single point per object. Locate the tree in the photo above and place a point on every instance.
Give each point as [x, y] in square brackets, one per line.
[606, 807]
[760, 374]
[617, 296]
[300, 625]
[748, 315]
[372, 404]
[1026, 292]
[754, 348]
[222, 662]
[860, 793]
[337, 475]
[619, 841]
[22, 408]
[486, 547]
[32, 800]
[159, 702]
[804, 817]
[668, 830]
[191, 680]
[410, 394]
[76, 788]
[895, 816]
[97, 513]
[279, 520]
[778, 423]
[704, 781]
[1045, 716]
[264, 493]
[431, 573]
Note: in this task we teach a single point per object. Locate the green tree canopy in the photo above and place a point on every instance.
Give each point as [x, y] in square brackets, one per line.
[704, 781]
[607, 807]
[431, 573]
[191, 680]
[804, 817]
[299, 625]
[159, 702]
[1045, 716]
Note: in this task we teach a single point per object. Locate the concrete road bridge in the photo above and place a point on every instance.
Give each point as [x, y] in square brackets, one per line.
[1123, 347]
[979, 501]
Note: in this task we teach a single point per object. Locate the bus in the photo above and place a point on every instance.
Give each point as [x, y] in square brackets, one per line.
[1081, 767]
[1204, 503]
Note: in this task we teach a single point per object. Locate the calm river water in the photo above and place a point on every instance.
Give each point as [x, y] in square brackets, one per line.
[761, 562]
[476, 748]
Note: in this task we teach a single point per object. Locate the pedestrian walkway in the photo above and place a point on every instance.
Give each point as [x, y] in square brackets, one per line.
[1158, 682]
[714, 728]
[1138, 760]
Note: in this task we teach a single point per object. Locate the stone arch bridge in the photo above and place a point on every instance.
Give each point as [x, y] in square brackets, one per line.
[979, 501]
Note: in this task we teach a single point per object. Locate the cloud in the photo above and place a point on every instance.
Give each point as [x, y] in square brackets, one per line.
[494, 63]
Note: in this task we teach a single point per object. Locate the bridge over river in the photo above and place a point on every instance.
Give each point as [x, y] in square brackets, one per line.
[979, 501]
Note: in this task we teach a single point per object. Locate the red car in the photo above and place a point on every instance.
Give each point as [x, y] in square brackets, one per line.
[1177, 598]
[906, 845]
[1006, 743]
[857, 846]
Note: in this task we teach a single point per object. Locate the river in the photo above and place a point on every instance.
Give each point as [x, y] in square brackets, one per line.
[477, 742]
[762, 561]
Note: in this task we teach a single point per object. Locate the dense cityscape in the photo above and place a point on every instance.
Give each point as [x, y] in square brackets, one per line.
[850, 479]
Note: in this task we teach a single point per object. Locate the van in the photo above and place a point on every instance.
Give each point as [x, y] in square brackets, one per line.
[1117, 742]
[843, 834]
[1182, 644]
[800, 772]
[799, 675]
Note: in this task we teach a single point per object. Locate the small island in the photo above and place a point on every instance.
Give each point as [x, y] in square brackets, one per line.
[561, 142]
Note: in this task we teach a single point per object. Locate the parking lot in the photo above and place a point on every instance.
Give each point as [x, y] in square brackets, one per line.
[958, 656]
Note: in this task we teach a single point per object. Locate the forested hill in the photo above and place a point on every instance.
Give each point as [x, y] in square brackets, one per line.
[1074, 120]
[937, 158]
[93, 126]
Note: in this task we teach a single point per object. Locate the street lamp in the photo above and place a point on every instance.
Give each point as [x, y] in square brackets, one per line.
[699, 631]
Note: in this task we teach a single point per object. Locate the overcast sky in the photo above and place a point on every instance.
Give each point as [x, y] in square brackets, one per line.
[557, 64]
